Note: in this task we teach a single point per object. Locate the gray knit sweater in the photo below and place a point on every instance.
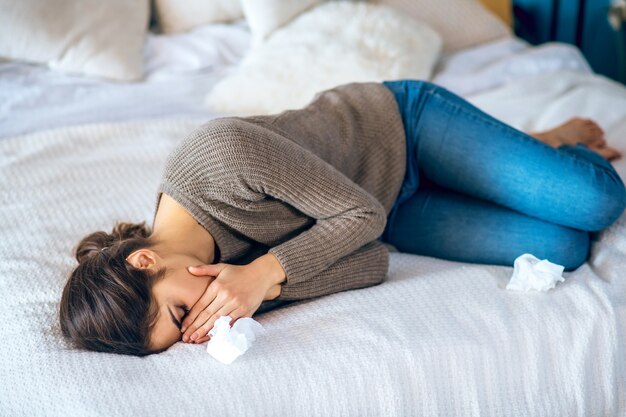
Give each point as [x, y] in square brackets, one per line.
[313, 186]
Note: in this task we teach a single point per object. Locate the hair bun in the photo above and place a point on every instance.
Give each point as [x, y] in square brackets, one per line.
[97, 241]
[123, 231]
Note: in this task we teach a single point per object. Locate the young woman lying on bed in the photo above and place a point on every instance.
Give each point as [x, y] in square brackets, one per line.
[298, 204]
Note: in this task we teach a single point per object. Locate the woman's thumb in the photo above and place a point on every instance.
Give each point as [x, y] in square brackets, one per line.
[210, 269]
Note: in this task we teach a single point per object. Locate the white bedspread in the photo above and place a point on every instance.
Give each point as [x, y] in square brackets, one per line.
[438, 338]
[180, 70]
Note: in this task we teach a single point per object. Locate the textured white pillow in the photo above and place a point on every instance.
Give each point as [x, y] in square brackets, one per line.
[461, 23]
[265, 16]
[314, 53]
[180, 16]
[94, 37]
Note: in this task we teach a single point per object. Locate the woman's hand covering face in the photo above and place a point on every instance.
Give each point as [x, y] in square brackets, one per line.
[237, 291]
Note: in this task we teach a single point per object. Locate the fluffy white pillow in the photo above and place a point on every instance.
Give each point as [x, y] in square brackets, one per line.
[265, 16]
[461, 23]
[332, 44]
[180, 16]
[93, 37]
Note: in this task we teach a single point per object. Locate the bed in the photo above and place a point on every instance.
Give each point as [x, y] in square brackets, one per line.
[437, 338]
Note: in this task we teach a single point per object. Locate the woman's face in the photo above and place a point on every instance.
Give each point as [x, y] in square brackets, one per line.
[174, 294]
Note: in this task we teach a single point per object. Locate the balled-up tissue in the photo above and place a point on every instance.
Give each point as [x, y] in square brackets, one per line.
[531, 273]
[226, 343]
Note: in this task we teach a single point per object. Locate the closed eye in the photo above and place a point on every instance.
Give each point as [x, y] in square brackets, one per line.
[185, 311]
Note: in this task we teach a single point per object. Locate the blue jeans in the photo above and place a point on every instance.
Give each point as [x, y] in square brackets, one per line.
[480, 191]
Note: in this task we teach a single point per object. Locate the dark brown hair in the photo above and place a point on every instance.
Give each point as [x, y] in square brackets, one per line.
[107, 303]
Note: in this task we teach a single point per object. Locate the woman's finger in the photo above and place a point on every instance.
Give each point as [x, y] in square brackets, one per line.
[224, 311]
[208, 269]
[205, 300]
[232, 323]
[203, 339]
[203, 318]
[214, 306]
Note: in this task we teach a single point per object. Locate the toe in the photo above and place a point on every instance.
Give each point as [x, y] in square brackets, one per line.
[608, 152]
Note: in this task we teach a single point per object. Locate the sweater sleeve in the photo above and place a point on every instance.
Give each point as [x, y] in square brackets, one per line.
[347, 216]
[364, 267]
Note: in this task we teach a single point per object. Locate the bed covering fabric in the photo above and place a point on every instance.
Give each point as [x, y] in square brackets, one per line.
[182, 68]
[92, 37]
[311, 53]
[179, 71]
[436, 338]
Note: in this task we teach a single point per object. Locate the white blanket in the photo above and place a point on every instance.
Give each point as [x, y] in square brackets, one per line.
[438, 338]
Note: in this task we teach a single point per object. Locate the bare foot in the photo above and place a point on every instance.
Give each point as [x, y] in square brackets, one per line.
[607, 152]
[577, 130]
[571, 132]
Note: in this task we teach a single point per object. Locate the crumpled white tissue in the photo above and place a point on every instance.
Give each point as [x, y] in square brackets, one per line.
[228, 343]
[531, 273]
